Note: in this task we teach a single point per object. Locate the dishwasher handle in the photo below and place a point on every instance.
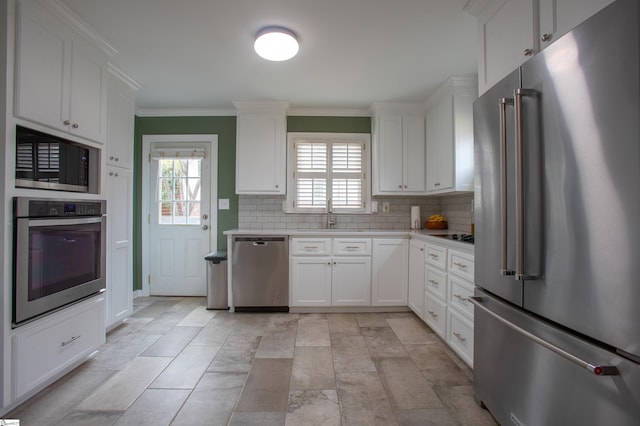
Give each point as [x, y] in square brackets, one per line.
[258, 241]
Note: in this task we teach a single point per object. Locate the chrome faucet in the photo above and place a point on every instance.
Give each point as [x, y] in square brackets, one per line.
[331, 220]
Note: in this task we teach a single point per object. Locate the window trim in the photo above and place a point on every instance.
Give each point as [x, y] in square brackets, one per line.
[293, 137]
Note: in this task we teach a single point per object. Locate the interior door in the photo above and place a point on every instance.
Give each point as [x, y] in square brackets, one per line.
[179, 218]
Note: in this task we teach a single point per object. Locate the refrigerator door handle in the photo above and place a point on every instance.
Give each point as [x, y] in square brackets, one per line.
[503, 184]
[595, 369]
[520, 245]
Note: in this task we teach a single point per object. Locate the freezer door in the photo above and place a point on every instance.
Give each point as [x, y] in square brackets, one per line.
[584, 178]
[524, 383]
[495, 227]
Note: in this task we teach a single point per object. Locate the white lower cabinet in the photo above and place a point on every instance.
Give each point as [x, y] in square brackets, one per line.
[351, 281]
[48, 347]
[330, 272]
[390, 272]
[415, 297]
[311, 281]
[448, 284]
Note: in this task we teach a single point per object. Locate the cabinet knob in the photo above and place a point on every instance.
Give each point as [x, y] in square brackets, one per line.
[117, 159]
[277, 186]
[546, 37]
[436, 184]
[205, 227]
[66, 122]
[75, 125]
[113, 174]
[111, 158]
[399, 186]
[528, 52]
[405, 187]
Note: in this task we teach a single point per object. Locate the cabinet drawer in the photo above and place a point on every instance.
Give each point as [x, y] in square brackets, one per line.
[44, 350]
[435, 314]
[436, 256]
[459, 293]
[461, 264]
[352, 246]
[436, 282]
[310, 246]
[460, 336]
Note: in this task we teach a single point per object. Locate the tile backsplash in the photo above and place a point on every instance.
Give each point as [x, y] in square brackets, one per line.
[264, 212]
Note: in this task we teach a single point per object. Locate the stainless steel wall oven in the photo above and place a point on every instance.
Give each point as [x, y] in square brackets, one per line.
[59, 254]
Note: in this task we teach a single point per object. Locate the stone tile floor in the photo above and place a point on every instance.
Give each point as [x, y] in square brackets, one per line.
[175, 363]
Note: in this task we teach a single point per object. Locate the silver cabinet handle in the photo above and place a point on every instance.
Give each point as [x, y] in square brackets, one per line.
[528, 52]
[310, 248]
[434, 282]
[460, 337]
[68, 342]
[460, 265]
[205, 216]
[598, 370]
[503, 184]
[66, 122]
[205, 227]
[433, 314]
[436, 184]
[461, 298]
[352, 247]
[433, 256]
[75, 125]
[113, 174]
[518, 95]
[546, 37]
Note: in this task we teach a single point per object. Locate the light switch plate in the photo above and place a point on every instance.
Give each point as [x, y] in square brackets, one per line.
[374, 207]
[223, 204]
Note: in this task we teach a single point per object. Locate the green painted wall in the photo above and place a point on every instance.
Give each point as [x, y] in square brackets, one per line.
[225, 128]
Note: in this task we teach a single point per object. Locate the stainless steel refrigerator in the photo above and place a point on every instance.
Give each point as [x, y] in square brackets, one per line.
[557, 214]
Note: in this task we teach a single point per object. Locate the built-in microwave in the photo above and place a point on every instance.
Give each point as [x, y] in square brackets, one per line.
[49, 162]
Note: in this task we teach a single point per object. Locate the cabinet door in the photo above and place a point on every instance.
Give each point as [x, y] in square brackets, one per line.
[120, 126]
[260, 154]
[119, 251]
[414, 154]
[557, 17]
[351, 281]
[416, 277]
[507, 36]
[440, 146]
[43, 50]
[388, 148]
[390, 272]
[311, 281]
[88, 92]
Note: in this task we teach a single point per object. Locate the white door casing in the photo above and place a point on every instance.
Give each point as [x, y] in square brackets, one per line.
[173, 250]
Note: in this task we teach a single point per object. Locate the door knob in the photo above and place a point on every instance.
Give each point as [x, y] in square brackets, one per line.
[205, 227]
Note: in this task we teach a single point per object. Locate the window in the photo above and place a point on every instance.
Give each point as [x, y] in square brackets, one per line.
[327, 167]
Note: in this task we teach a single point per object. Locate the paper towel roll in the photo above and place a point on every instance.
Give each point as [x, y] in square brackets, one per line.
[415, 217]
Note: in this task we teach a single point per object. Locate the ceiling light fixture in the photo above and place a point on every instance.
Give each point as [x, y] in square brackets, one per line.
[276, 43]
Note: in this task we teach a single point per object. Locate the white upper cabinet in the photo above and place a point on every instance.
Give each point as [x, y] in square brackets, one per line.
[511, 31]
[261, 148]
[507, 36]
[398, 149]
[121, 116]
[450, 137]
[61, 78]
[558, 17]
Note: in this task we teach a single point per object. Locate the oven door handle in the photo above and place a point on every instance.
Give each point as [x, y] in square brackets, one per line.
[67, 222]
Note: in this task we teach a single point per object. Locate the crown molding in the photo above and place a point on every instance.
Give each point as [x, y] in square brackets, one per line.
[185, 112]
[69, 17]
[122, 76]
[475, 7]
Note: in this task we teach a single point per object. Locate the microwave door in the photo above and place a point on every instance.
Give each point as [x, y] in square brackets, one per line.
[495, 191]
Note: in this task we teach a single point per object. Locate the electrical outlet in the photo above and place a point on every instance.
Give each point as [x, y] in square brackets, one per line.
[385, 207]
[374, 207]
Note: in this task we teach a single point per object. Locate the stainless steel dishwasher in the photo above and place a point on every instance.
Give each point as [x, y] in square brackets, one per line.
[260, 274]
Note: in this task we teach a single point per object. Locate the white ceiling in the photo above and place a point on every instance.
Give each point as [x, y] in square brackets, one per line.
[199, 53]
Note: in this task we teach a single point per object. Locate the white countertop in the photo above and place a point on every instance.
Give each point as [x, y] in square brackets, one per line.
[426, 234]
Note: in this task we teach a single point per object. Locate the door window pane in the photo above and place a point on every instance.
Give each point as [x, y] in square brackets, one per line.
[179, 187]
